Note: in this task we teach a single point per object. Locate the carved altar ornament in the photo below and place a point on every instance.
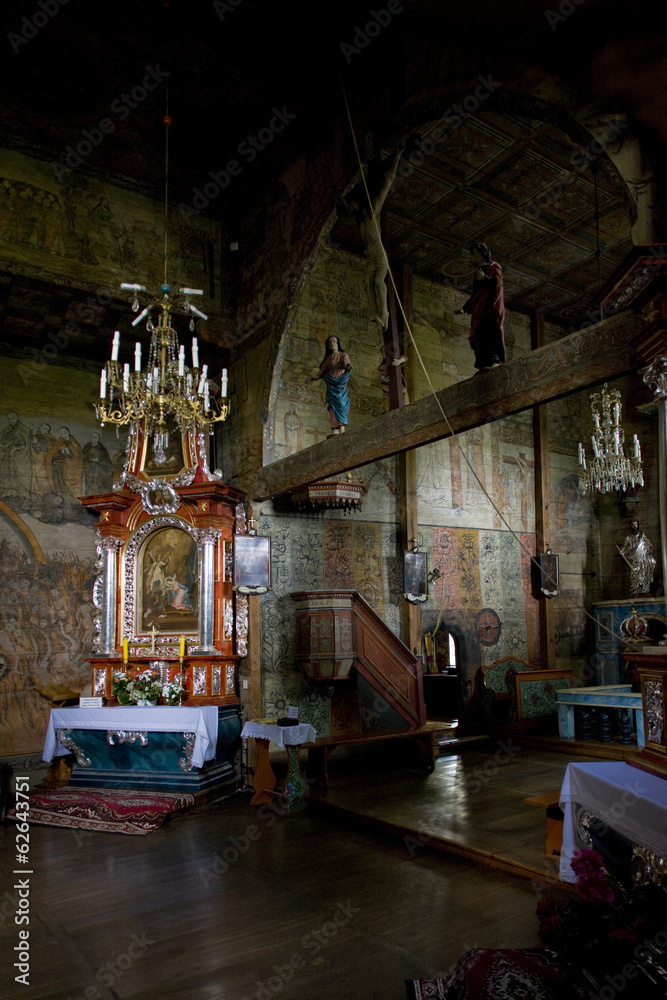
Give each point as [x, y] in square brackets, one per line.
[242, 624]
[655, 376]
[635, 628]
[127, 736]
[157, 495]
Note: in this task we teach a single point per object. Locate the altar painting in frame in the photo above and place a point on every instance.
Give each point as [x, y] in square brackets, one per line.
[168, 592]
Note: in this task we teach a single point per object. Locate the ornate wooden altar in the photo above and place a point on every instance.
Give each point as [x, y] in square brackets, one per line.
[165, 574]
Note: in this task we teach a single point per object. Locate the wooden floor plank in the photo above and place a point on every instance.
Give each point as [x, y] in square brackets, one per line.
[360, 909]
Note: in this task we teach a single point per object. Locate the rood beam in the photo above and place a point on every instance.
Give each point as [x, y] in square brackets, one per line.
[599, 353]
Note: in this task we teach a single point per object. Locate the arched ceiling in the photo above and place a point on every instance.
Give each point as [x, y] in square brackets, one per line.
[503, 177]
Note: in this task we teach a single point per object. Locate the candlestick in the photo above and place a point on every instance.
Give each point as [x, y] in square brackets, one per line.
[125, 651]
[182, 648]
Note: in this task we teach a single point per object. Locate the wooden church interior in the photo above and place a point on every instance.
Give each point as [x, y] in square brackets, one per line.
[227, 147]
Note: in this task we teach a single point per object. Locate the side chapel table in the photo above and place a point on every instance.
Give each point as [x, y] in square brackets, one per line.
[264, 781]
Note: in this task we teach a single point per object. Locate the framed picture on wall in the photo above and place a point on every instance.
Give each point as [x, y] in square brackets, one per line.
[252, 564]
[415, 578]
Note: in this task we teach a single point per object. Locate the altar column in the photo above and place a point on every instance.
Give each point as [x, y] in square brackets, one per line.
[207, 539]
[108, 549]
[655, 376]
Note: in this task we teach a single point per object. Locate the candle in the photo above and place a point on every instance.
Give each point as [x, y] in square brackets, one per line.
[126, 377]
[223, 386]
[200, 387]
[195, 353]
[206, 399]
[115, 345]
[137, 357]
[103, 384]
[156, 379]
[181, 360]
[124, 650]
[182, 652]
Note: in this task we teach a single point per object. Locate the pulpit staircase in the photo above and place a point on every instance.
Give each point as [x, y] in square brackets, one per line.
[343, 644]
[338, 632]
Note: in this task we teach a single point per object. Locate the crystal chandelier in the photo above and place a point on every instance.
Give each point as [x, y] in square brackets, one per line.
[610, 469]
[166, 387]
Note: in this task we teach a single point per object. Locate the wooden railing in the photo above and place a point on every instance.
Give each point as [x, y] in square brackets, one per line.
[337, 631]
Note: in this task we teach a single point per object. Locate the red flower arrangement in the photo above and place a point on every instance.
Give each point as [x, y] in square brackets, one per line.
[603, 924]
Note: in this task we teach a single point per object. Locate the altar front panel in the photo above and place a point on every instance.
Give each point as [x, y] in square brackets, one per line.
[182, 749]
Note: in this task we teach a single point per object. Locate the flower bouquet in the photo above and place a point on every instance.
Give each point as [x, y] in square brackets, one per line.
[144, 688]
[606, 930]
[119, 684]
[174, 692]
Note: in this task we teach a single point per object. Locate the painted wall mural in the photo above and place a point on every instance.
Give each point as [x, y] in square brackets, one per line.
[51, 452]
[475, 492]
[54, 224]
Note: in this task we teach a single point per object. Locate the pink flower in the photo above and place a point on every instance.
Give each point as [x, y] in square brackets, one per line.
[595, 890]
[587, 864]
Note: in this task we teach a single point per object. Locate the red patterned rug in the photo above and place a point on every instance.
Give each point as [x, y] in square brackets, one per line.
[501, 974]
[107, 810]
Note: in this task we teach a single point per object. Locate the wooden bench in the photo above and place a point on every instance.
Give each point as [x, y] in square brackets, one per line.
[422, 738]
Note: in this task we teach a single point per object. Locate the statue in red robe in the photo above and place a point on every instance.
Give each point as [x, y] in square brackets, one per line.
[486, 307]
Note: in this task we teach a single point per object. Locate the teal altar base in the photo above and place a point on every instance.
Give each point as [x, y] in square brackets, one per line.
[157, 765]
[607, 696]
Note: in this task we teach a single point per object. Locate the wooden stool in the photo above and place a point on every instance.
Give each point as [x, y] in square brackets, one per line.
[549, 801]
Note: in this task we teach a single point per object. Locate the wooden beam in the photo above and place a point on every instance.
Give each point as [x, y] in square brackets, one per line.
[600, 352]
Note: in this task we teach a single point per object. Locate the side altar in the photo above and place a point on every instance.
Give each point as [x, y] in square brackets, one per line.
[167, 615]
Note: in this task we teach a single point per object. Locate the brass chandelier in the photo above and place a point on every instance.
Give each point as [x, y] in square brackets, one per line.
[165, 387]
[611, 469]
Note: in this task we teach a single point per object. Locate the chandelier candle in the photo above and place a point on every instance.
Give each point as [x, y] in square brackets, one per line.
[167, 392]
[611, 468]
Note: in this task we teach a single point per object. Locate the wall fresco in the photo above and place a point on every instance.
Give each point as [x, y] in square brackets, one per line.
[51, 452]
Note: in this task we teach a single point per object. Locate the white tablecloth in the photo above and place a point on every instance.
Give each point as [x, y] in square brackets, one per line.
[282, 735]
[201, 720]
[628, 800]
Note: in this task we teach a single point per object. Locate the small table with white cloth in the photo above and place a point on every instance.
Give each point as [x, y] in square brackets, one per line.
[628, 800]
[290, 738]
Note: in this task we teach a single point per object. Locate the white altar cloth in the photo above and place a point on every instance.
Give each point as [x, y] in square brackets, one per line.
[628, 800]
[282, 735]
[201, 720]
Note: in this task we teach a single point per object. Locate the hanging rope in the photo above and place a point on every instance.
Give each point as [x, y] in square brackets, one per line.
[573, 605]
